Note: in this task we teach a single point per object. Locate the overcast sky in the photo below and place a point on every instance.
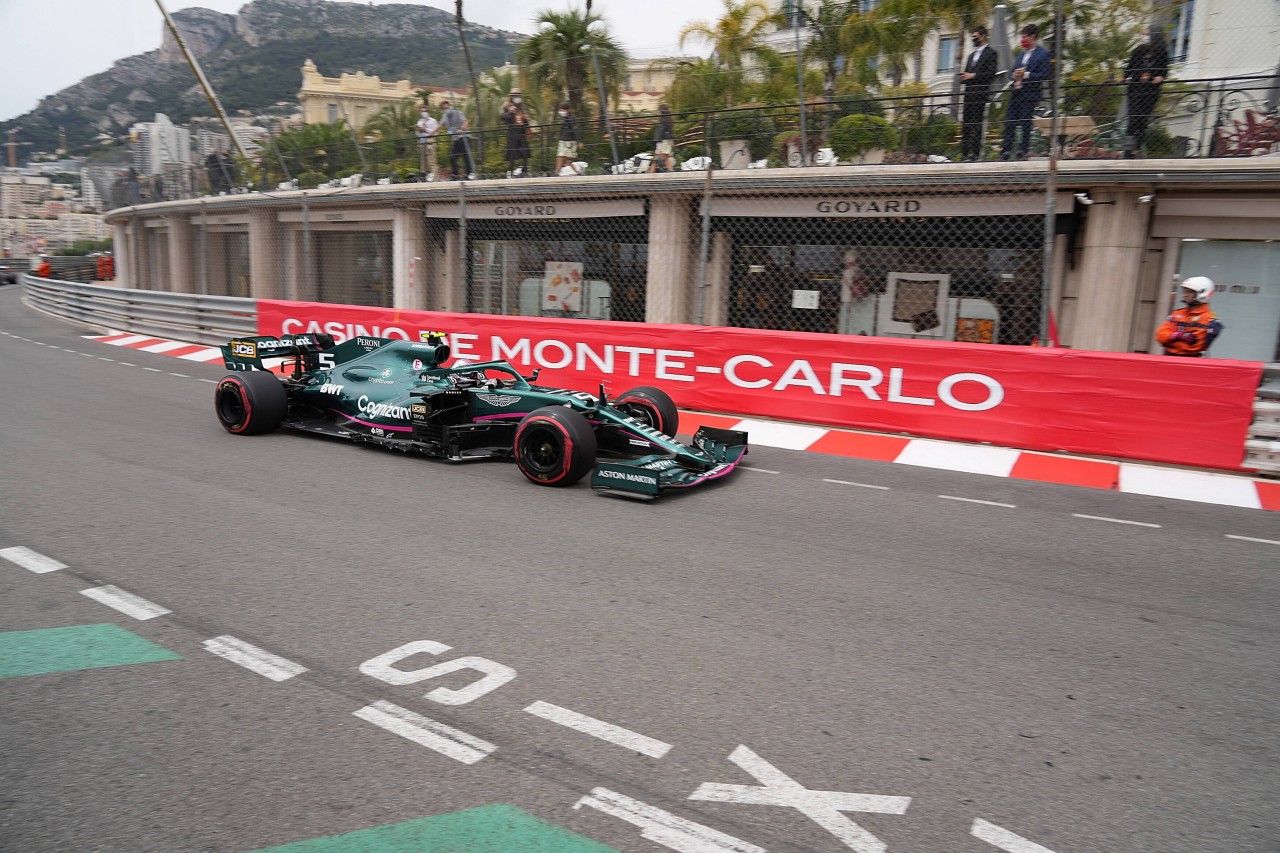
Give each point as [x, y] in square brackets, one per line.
[51, 44]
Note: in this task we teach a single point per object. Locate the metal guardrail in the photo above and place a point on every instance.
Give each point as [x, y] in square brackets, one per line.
[209, 320]
[1262, 449]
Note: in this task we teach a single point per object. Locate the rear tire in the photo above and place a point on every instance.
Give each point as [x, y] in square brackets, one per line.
[650, 406]
[555, 446]
[250, 403]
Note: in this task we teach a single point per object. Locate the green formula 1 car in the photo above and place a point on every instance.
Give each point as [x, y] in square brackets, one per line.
[399, 394]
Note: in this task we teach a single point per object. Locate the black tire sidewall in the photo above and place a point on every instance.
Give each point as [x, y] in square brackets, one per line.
[576, 438]
[657, 401]
[262, 398]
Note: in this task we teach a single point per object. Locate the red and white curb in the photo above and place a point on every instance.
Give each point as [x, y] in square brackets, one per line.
[1130, 477]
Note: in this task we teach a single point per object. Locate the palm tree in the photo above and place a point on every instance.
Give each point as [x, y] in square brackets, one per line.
[704, 85]
[737, 35]
[825, 43]
[557, 60]
[894, 32]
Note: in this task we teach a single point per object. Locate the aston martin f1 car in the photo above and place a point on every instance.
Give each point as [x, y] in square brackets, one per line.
[401, 395]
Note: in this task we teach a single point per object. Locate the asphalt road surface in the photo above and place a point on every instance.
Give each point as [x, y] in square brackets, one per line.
[301, 638]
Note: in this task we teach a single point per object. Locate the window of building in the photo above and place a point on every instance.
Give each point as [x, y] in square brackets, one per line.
[948, 50]
[1180, 33]
[333, 113]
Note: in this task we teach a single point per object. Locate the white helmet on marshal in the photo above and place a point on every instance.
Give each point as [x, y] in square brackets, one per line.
[1201, 286]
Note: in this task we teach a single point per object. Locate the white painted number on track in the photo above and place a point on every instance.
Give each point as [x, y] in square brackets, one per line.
[494, 674]
[662, 827]
[822, 807]
[424, 731]
[1004, 839]
[31, 560]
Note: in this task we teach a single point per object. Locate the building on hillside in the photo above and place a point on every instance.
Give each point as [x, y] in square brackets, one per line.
[90, 198]
[24, 193]
[157, 144]
[356, 98]
[647, 82]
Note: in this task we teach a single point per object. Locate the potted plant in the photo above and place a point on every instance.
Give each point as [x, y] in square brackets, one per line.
[745, 136]
[862, 138]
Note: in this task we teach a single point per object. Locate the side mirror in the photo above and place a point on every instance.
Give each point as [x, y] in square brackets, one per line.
[533, 377]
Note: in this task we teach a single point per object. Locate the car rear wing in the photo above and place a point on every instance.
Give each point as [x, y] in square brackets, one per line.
[248, 353]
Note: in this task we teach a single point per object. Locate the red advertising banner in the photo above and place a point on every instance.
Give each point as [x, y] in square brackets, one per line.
[1184, 411]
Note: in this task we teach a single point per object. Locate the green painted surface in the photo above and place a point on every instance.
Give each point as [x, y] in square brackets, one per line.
[77, 647]
[500, 828]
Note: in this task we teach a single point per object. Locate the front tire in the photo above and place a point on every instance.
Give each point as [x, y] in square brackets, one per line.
[555, 446]
[250, 403]
[651, 406]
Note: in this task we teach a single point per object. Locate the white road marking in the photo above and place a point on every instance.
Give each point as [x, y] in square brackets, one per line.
[253, 658]
[625, 738]
[153, 369]
[976, 501]
[132, 339]
[969, 458]
[1004, 839]
[127, 364]
[822, 807]
[126, 602]
[1222, 489]
[210, 381]
[757, 470]
[180, 375]
[662, 827]
[1252, 539]
[30, 560]
[1115, 520]
[104, 358]
[859, 485]
[85, 354]
[424, 731]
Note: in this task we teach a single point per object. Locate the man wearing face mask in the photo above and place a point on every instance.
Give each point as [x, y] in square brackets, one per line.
[1145, 73]
[1030, 70]
[427, 128]
[979, 71]
[568, 148]
[516, 118]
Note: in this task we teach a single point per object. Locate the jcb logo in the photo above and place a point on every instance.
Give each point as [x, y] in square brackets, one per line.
[246, 349]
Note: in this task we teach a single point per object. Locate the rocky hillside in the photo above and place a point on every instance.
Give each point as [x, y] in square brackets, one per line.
[253, 60]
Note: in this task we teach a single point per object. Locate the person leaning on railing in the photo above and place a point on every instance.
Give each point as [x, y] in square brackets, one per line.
[1148, 66]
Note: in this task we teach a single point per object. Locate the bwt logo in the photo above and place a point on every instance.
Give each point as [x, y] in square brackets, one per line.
[247, 349]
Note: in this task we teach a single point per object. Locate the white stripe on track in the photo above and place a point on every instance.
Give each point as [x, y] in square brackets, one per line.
[976, 501]
[1252, 539]
[1115, 520]
[424, 731]
[859, 485]
[1000, 837]
[30, 560]
[126, 602]
[132, 339]
[616, 735]
[662, 827]
[253, 658]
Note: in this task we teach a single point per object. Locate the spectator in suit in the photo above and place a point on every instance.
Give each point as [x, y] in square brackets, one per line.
[979, 71]
[1148, 66]
[1030, 70]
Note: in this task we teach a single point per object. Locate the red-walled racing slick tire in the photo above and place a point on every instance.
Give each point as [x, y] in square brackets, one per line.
[555, 446]
[250, 403]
